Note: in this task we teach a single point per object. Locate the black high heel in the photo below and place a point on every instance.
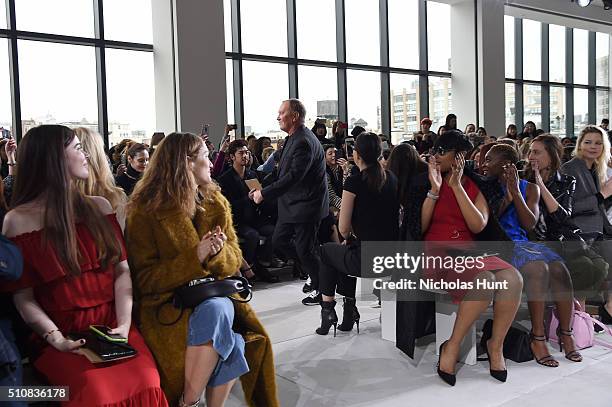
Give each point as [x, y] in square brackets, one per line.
[604, 315]
[328, 318]
[574, 355]
[448, 378]
[546, 360]
[500, 375]
[350, 315]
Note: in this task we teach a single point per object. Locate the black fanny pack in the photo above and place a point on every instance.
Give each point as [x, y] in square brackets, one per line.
[199, 290]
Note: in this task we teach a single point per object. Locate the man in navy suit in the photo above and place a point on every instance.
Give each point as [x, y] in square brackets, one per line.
[301, 190]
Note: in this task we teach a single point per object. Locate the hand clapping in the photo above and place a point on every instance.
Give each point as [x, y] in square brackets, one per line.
[457, 171]
[435, 177]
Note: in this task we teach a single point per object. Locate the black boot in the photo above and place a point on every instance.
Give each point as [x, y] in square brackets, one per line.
[350, 315]
[328, 317]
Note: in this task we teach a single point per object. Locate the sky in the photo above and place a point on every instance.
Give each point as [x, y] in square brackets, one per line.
[60, 79]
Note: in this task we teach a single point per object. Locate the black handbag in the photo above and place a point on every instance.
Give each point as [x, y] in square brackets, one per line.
[199, 290]
[516, 343]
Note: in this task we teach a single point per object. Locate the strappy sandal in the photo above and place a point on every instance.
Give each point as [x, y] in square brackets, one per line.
[574, 355]
[183, 404]
[548, 360]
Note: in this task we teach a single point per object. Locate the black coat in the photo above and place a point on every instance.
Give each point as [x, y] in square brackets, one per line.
[301, 186]
[244, 210]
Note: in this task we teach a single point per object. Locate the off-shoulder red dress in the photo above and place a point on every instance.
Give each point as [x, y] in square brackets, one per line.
[74, 303]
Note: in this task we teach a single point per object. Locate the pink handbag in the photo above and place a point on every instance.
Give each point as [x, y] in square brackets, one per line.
[584, 332]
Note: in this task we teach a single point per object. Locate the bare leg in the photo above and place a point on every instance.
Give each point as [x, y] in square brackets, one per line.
[216, 396]
[200, 361]
[536, 276]
[335, 235]
[470, 309]
[563, 292]
[506, 304]
[246, 269]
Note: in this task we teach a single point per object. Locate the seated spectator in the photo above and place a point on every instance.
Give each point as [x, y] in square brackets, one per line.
[137, 161]
[80, 278]
[542, 268]
[510, 142]
[451, 122]
[528, 131]
[470, 128]
[155, 140]
[266, 153]
[567, 142]
[100, 181]
[250, 226]
[369, 213]
[511, 132]
[405, 162]
[175, 237]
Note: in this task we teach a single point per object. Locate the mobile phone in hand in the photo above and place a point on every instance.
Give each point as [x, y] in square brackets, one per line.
[104, 332]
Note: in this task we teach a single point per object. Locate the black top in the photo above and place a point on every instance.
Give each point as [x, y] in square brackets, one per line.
[375, 214]
[128, 180]
[244, 210]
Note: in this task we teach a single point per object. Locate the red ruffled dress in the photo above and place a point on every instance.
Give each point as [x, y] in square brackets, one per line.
[448, 226]
[74, 303]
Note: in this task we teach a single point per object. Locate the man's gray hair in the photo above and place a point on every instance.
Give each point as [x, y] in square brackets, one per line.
[295, 105]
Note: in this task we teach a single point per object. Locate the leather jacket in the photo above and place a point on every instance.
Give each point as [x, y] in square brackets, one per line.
[550, 226]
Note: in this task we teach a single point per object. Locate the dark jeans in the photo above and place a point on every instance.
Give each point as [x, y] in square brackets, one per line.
[251, 236]
[340, 264]
[303, 247]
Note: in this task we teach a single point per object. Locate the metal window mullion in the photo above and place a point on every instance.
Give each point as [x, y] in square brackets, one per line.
[518, 104]
[569, 77]
[423, 61]
[545, 89]
[385, 80]
[101, 72]
[237, 68]
[292, 48]
[592, 98]
[14, 72]
[341, 58]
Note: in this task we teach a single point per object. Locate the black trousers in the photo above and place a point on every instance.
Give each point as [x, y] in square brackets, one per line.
[303, 247]
[340, 265]
[251, 236]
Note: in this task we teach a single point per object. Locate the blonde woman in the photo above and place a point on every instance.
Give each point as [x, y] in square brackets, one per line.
[100, 181]
[593, 191]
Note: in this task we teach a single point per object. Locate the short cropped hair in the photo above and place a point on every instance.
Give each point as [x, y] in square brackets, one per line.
[295, 105]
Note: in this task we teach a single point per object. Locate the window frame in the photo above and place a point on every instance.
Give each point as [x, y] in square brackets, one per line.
[98, 42]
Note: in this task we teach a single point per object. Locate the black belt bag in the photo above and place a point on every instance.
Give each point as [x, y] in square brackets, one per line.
[199, 290]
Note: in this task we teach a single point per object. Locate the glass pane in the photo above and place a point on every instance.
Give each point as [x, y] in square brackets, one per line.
[3, 14]
[66, 17]
[318, 90]
[263, 98]
[440, 101]
[362, 32]
[581, 110]
[603, 105]
[131, 95]
[229, 83]
[316, 29]
[363, 92]
[532, 105]
[581, 56]
[63, 93]
[6, 119]
[128, 20]
[556, 53]
[602, 59]
[557, 111]
[227, 24]
[510, 104]
[509, 45]
[532, 50]
[403, 38]
[264, 27]
[405, 108]
[438, 40]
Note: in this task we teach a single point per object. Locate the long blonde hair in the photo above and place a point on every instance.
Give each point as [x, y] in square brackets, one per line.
[601, 164]
[168, 182]
[100, 180]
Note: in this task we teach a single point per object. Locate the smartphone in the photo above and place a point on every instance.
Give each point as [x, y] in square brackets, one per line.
[205, 128]
[104, 332]
[385, 145]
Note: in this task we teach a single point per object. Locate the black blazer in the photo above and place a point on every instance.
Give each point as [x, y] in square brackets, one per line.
[301, 187]
[244, 210]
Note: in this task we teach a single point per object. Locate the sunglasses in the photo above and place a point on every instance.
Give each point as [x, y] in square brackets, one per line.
[441, 151]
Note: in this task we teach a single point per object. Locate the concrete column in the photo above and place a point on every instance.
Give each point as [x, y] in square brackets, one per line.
[477, 52]
[190, 86]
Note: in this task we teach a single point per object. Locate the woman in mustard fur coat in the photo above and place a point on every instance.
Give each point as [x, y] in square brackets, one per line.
[174, 237]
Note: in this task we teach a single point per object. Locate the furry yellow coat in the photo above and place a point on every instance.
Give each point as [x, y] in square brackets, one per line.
[162, 256]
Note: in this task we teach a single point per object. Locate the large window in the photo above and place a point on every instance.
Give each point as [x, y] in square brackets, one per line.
[509, 49]
[74, 70]
[358, 61]
[570, 95]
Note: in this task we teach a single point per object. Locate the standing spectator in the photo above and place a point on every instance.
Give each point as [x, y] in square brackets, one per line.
[320, 130]
[137, 161]
[425, 138]
[155, 140]
[451, 122]
[301, 189]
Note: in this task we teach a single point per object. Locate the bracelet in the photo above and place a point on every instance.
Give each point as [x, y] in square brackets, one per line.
[11, 164]
[432, 196]
[45, 336]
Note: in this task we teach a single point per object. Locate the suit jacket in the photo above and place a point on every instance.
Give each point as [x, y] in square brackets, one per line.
[301, 187]
[163, 257]
[589, 213]
[244, 210]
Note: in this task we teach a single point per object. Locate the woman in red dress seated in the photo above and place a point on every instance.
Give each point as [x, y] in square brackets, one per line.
[75, 275]
[453, 213]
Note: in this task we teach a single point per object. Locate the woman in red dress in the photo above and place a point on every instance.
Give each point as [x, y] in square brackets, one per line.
[456, 211]
[75, 275]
